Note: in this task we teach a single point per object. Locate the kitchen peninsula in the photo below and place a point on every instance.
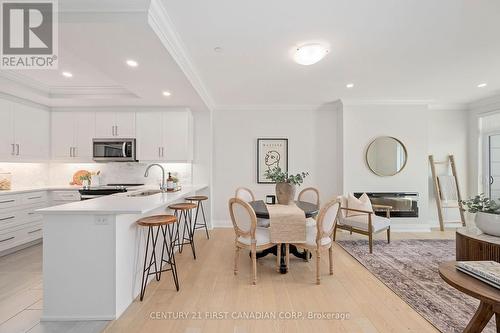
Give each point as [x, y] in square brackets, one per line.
[93, 252]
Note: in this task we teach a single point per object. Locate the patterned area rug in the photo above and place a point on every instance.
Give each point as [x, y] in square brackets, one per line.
[410, 269]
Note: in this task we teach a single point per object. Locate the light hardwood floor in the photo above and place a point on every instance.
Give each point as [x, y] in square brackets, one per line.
[208, 285]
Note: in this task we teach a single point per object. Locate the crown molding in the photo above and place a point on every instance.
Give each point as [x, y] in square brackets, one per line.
[268, 107]
[26, 82]
[356, 102]
[90, 92]
[163, 27]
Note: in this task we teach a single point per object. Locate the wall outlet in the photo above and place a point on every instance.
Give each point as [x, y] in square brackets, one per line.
[102, 220]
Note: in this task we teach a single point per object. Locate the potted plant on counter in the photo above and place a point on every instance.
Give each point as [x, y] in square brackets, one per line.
[285, 184]
[487, 213]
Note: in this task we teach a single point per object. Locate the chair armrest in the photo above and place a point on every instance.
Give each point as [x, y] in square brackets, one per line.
[382, 206]
[356, 210]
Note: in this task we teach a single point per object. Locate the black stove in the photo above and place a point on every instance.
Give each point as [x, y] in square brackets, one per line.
[99, 191]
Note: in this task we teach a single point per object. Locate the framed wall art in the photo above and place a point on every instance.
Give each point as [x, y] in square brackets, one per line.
[271, 153]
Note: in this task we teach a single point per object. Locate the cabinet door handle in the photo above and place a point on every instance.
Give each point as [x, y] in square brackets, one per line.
[33, 231]
[75, 152]
[70, 151]
[162, 151]
[13, 149]
[17, 145]
[7, 218]
[32, 198]
[6, 201]
[7, 239]
[116, 131]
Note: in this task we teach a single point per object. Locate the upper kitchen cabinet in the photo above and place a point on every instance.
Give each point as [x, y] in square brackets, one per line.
[24, 132]
[72, 134]
[165, 136]
[115, 124]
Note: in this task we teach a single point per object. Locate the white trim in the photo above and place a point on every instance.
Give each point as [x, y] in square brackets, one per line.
[222, 224]
[24, 101]
[163, 27]
[90, 92]
[486, 104]
[354, 102]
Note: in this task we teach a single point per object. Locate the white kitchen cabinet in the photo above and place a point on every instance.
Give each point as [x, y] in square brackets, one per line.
[178, 136]
[72, 134]
[19, 221]
[119, 124]
[7, 145]
[165, 136]
[24, 132]
[149, 136]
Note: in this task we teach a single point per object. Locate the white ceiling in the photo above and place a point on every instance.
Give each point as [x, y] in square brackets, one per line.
[94, 46]
[390, 49]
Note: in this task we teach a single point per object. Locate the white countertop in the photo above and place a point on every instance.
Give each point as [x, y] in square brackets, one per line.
[121, 203]
[41, 188]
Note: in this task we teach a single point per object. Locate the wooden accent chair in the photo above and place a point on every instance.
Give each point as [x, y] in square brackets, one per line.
[248, 235]
[367, 223]
[319, 236]
[247, 195]
[309, 194]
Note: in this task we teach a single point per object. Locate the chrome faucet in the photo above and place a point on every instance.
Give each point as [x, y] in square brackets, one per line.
[163, 186]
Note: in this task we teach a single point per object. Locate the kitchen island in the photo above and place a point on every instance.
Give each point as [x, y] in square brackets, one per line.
[93, 252]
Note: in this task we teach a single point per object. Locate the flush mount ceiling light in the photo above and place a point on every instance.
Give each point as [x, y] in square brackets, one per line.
[350, 85]
[482, 85]
[67, 74]
[132, 63]
[166, 93]
[309, 54]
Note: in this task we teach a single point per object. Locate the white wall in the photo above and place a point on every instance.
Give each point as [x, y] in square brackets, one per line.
[423, 131]
[312, 147]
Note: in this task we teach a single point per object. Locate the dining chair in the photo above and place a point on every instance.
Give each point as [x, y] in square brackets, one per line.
[309, 194]
[244, 194]
[247, 234]
[247, 195]
[319, 236]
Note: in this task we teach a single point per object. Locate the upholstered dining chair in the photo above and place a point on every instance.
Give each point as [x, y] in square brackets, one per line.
[247, 195]
[244, 194]
[365, 223]
[248, 235]
[319, 236]
[309, 194]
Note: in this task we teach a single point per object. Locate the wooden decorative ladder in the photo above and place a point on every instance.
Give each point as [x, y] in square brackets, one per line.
[448, 163]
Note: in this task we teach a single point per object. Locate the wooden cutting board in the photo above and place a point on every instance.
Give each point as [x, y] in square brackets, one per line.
[77, 175]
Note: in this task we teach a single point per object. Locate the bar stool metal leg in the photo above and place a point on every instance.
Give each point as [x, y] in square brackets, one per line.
[152, 260]
[170, 256]
[204, 224]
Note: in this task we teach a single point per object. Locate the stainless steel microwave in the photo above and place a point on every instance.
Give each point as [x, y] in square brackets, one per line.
[114, 150]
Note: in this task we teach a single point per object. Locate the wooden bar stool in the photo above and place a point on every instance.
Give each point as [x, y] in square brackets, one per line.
[166, 224]
[200, 225]
[183, 211]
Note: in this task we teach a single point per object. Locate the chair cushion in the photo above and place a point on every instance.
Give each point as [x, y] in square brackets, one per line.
[363, 203]
[311, 231]
[310, 222]
[263, 223]
[262, 236]
[361, 222]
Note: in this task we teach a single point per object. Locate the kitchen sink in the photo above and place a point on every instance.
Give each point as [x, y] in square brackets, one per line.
[144, 193]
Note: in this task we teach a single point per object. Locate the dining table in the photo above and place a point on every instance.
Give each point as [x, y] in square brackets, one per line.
[310, 211]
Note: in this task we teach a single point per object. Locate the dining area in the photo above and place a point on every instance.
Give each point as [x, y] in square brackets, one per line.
[295, 226]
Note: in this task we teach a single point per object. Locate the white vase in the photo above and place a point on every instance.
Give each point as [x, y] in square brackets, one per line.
[488, 223]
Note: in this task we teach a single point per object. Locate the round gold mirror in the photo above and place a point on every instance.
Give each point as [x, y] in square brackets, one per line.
[386, 156]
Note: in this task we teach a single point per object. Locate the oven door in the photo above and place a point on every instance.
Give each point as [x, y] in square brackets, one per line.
[108, 150]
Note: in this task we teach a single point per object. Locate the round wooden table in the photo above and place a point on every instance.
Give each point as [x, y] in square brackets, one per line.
[260, 208]
[488, 296]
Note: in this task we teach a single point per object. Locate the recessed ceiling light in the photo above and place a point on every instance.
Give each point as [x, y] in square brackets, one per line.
[67, 74]
[132, 63]
[350, 85]
[309, 54]
[166, 93]
[482, 85]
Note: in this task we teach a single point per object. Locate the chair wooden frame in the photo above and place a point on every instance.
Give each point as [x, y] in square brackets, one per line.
[251, 233]
[244, 189]
[368, 232]
[310, 189]
[320, 234]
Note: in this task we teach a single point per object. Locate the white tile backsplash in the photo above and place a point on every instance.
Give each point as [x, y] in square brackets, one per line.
[43, 174]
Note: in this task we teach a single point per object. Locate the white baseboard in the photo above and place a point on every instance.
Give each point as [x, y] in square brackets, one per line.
[222, 224]
[76, 318]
